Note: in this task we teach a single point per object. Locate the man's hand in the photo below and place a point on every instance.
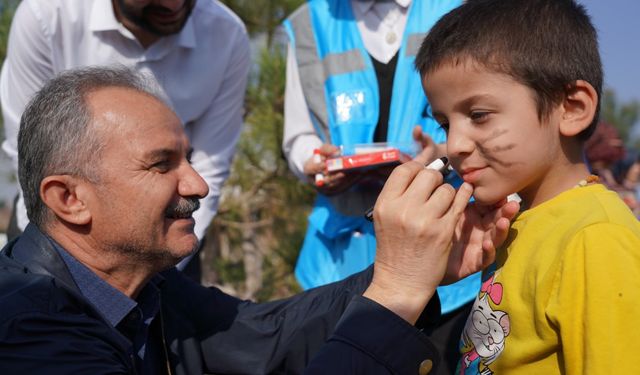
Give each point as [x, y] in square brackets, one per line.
[478, 232]
[335, 182]
[415, 217]
[424, 229]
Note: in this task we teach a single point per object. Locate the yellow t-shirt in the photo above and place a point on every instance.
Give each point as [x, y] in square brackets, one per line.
[564, 294]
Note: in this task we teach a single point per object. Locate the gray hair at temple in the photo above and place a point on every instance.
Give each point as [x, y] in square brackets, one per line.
[56, 136]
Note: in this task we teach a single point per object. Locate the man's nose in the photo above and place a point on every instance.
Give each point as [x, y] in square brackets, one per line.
[191, 183]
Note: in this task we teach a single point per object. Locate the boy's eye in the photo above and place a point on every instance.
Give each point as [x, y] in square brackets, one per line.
[479, 116]
[442, 121]
[444, 125]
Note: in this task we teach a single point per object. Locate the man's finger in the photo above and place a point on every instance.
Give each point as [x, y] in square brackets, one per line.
[400, 179]
[488, 252]
[500, 222]
[441, 200]
[423, 185]
[460, 201]
[507, 210]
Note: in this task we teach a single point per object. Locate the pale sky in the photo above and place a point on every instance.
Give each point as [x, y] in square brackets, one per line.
[619, 34]
[619, 37]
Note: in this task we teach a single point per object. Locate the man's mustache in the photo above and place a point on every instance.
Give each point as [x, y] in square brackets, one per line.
[183, 208]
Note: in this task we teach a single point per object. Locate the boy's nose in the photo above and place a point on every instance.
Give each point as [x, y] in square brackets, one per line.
[458, 142]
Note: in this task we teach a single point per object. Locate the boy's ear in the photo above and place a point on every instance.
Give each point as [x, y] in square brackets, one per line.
[579, 105]
[66, 196]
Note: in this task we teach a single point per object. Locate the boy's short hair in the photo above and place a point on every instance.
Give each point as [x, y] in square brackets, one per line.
[546, 45]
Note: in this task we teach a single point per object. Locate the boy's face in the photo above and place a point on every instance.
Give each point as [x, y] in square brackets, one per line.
[495, 139]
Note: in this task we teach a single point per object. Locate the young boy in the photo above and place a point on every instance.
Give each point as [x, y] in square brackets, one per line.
[516, 84]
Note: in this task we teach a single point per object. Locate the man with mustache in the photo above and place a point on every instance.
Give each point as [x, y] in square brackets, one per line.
[90, 288]
[197, 51]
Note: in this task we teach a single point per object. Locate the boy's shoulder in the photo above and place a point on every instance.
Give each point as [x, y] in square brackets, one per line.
[577, 209]
[579, 223]
[607, 206]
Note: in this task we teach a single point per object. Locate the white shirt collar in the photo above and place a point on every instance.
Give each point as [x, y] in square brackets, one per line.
[366, 5]
[187, 36]
[103, 18]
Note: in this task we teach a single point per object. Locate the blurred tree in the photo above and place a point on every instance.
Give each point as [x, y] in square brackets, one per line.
[263, 17]
[621, 115]
[7, 8]
[255, 238]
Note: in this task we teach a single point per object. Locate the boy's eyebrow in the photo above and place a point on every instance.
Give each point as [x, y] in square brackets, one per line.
[467, 102]
[464, 104]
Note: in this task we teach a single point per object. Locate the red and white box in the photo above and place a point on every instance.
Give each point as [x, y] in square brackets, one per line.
[366, 160]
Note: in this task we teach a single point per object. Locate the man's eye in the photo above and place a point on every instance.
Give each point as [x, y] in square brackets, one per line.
[161, 166]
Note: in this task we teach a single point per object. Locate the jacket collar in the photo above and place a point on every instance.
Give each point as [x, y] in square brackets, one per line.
[35, 251]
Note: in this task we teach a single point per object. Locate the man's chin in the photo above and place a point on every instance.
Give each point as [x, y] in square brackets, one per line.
[180, 234]
[165, 26]
[179, 251]
[187, 246]
[165, 29]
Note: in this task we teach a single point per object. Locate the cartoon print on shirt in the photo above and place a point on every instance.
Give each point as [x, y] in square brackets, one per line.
[485, 331]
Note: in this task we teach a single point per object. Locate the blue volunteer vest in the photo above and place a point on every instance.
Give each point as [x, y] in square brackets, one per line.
[340, 87]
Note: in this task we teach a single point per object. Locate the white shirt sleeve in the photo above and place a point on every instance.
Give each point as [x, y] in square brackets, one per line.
[215, 134]
[26, 68]
[300, 137]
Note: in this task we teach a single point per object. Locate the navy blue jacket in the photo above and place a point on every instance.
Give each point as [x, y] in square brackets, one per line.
[47, 326]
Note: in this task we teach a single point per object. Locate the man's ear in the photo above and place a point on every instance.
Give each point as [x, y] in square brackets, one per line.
[65, 196]
[579, 105]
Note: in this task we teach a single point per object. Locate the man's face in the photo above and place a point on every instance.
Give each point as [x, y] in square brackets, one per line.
[495, 138]
[160, 17]
[148, 190]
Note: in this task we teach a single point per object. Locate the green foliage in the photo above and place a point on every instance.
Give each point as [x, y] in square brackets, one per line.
[621, 115]
[263, 16]
[7, 9]
[263, 210]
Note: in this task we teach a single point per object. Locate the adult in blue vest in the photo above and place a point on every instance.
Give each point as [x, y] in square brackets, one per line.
[351, 80]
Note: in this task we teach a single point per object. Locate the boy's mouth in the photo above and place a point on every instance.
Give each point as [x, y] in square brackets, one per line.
[472, 175]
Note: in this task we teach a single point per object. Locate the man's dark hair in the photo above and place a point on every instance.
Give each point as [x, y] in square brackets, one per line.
[546, 45]
[56, 136]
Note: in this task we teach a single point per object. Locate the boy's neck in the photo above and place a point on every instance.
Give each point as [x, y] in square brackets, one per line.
[556, 181]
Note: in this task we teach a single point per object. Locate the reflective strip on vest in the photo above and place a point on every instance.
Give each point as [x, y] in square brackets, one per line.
[334, 54]
[311, 68]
